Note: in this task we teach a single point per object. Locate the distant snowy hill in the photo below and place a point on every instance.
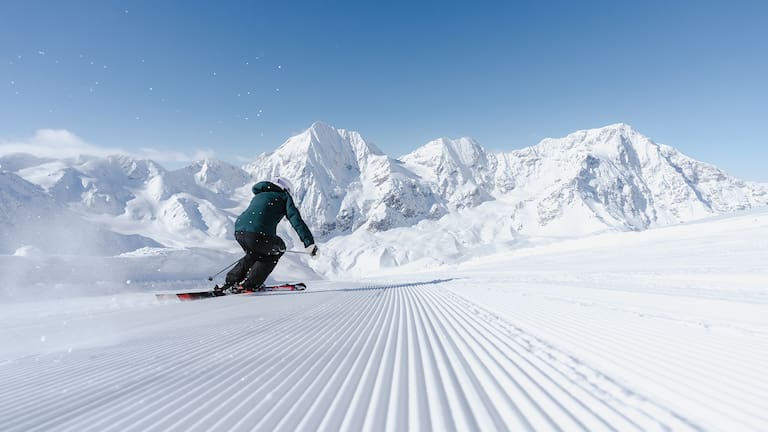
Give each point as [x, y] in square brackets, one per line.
[369, 207]
[33, 222]
[179, 208]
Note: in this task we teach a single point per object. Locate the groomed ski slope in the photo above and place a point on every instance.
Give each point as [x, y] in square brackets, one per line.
[661, 330]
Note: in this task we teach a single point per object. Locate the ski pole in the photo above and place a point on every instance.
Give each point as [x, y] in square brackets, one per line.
[298, 252]
[210, 278]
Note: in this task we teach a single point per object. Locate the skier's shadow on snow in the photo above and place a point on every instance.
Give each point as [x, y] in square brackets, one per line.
[371, 287]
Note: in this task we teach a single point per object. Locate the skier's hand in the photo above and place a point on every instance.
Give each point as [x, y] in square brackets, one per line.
[312, 249]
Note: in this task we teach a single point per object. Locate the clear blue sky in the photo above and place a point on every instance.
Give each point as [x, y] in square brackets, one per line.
[241, 77]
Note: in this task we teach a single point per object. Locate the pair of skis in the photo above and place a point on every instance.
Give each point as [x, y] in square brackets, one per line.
[199, 295]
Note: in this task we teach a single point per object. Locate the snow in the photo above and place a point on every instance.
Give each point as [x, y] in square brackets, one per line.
[598, 281]
[654, 330]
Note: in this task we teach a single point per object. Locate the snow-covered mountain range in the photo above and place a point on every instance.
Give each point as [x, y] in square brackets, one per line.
[363, 201]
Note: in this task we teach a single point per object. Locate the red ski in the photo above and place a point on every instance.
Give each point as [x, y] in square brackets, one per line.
[198, 295]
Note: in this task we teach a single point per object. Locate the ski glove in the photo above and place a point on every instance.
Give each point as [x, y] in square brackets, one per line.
[312, 249]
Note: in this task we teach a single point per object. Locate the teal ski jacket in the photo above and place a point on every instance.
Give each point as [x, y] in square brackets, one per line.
[268, 207]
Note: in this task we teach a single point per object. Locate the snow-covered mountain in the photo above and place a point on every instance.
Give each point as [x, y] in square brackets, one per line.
[459, 171]
[343, 182]
[616, 177]
[451, 194]
[34, 222]
[611, 177]
[186, 207]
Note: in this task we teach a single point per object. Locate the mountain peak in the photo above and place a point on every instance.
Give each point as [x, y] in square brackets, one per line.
[622, 127]
[318, 126]
[322, 134]
[605, 132]
[448, 152]
[323, 141]
[612, 141]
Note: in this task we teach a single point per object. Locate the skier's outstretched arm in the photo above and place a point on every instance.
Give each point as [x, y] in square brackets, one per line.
[298, 224]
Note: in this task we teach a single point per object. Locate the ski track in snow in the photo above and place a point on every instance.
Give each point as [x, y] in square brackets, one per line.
[414, 356]
[713, 369]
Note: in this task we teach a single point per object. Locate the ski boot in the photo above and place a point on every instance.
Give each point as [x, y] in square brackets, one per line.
[225, 289]
[237, 289]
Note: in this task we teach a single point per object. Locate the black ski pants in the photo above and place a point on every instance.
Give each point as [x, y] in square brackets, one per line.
[262, 252]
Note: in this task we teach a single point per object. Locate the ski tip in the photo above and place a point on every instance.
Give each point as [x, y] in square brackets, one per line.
[296, 286]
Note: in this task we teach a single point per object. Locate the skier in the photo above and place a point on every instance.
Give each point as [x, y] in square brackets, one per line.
[256, 232]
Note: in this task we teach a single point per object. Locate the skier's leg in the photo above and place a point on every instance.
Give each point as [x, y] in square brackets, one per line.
[259, 272]
[239, 271]
[274, 247]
